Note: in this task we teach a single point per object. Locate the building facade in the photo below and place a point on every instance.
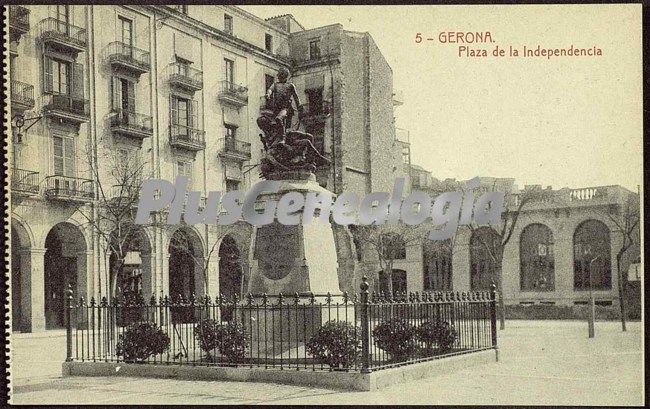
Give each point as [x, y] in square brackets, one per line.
[176, 90]
[564, 243]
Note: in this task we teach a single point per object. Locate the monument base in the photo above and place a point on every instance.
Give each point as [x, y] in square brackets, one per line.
[294, 259]
[276, 330]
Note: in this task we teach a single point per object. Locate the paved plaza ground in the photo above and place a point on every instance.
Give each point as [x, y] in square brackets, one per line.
[542, 363]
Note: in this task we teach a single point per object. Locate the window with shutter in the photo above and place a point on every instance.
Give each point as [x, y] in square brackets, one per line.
[194, 109]
[229, 71]
[58, 155]
[183, 111]
[48, 76]
[57, 76]
[130, 99]
[77, 81]
[116, 93]
[64, 155]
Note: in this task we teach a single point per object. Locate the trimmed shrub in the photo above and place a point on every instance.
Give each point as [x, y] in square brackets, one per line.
[337, 344]
[229, 339]
[140, 341]
[439, 334]
[397, 337]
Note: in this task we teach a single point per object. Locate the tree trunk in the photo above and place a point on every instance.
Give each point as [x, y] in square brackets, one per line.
[388, 273]
[115, 272]
[621, 292]
[501, 305]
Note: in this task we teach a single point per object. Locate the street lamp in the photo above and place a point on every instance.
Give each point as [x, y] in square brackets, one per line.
[592, 307]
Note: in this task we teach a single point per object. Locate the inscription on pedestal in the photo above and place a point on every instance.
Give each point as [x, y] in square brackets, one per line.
[278, 248]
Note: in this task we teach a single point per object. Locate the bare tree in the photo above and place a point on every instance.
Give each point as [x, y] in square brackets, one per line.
[626, 219]
[513, 206]
[182, 244]
[389, 242]
[112, 215]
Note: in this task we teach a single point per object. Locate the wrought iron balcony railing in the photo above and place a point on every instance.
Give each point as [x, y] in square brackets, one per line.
[233, 93]
[22, 95]
[63, 35]
[24, 181]
[69, 188]
[66, 106]
[185, 77]
[186, 137]
[18, 19]
[125, 56]
[132, 123]
[234, 148]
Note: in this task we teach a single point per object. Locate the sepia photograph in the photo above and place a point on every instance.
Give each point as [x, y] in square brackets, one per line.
[327, 204]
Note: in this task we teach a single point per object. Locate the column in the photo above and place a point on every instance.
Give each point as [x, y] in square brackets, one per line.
[32, 285]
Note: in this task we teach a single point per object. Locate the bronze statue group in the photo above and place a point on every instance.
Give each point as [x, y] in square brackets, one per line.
[286, 149]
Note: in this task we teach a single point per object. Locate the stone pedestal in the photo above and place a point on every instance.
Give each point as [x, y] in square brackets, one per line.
[282, 331]
[294, 259]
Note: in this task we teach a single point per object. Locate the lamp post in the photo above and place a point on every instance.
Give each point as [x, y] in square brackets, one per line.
[592, 308]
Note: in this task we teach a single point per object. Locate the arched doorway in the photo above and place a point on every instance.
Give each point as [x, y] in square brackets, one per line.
[591, 241]
[230, 268]
[536, 258]
[65, 265]
[483, 242]
[20, 245]
[437, 267]
[185, 264]
[132, 279]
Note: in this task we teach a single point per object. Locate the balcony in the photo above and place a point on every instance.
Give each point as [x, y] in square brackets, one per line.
[131, 124]
[66, 107]
[234, 149]
[315, 113]
[24, 182]
[233, 94]
[69, 189]
[18, 22]
[185, 78]
[125, 57]
[22, 96]
[62, 36]
[185, 137]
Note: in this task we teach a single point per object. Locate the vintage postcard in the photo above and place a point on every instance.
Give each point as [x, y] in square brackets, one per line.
[324, 204]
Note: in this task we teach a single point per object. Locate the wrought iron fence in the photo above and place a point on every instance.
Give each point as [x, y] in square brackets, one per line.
[360, 333]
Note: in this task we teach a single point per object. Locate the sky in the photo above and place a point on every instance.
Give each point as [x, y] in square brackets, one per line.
[561, 122]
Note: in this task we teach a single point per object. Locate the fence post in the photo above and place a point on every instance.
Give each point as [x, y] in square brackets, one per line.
[68, 327]
[493, 317]
[365, 327]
